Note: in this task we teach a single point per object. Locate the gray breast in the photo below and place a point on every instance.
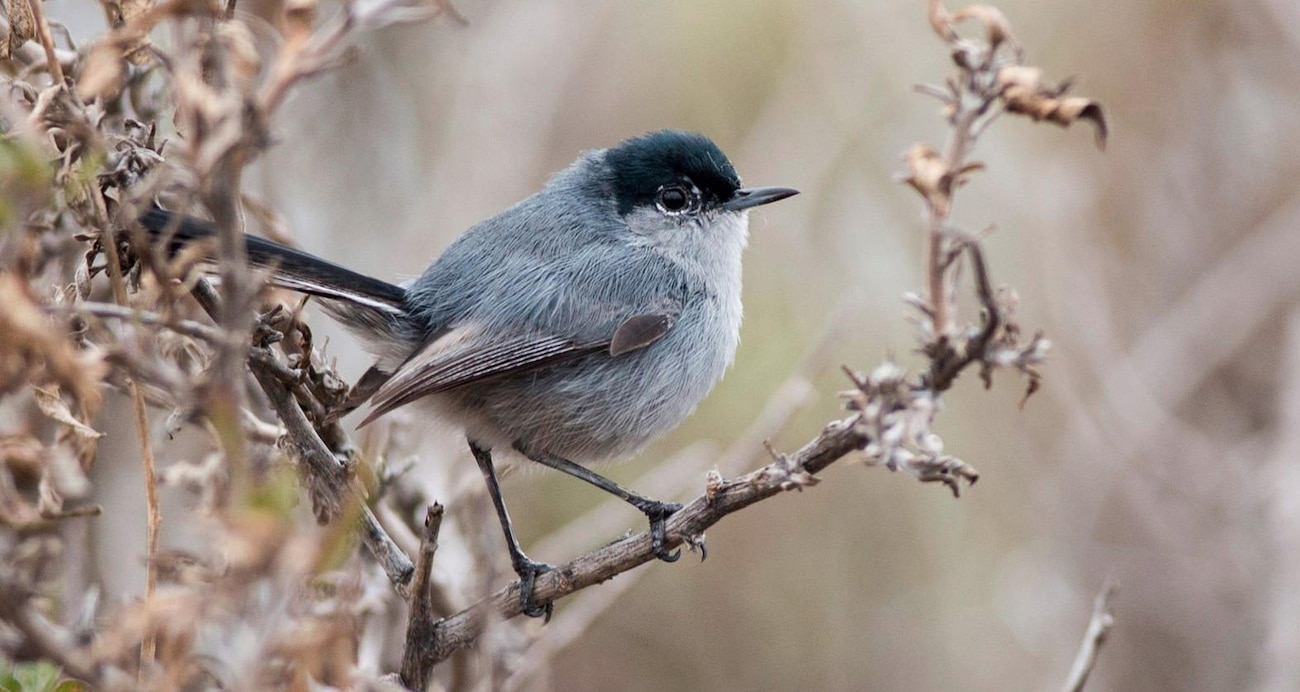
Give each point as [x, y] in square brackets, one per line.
[601, 407]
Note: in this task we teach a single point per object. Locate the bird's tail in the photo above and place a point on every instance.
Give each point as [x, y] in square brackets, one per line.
[373, 310]
[290, 268]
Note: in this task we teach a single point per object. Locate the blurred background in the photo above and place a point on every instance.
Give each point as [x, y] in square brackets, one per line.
[1161, 452]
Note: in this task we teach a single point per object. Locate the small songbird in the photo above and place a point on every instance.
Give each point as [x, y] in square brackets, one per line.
[573, 327]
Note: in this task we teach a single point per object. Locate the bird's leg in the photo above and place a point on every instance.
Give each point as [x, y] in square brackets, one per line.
[657, 512]
[526, 568]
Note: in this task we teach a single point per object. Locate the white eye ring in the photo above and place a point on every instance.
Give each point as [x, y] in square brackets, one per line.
[677, 198]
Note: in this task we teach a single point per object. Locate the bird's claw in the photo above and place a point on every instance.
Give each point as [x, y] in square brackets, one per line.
[658, 513]
[528, 570]
[696, 543]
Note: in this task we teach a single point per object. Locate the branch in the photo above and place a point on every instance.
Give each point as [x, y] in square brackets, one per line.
[47, 42]
[190, 328]
[721, 497]
[153, 513]
[416, 670]
[1098, 628]
[671, 479]
[328, 480]
[894, 415]
[49, 640]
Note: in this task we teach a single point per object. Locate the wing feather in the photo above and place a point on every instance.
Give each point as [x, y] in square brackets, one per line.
[467, 354]
[461, 356]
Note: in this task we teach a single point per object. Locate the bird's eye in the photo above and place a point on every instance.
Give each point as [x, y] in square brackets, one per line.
[674, 199]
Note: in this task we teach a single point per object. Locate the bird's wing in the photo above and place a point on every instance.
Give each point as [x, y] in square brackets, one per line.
[466, 354]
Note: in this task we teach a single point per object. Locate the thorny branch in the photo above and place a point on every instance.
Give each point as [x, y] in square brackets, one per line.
[329, 482]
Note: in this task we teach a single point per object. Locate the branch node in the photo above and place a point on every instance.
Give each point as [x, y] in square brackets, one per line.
[713, 484]
[786, 472]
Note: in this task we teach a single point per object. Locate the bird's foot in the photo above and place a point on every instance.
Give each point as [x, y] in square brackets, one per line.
[658, 513]
[528, 571]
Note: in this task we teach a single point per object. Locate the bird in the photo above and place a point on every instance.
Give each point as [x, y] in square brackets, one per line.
[572, 328]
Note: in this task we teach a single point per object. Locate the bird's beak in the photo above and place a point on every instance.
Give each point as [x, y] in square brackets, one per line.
[755, 196]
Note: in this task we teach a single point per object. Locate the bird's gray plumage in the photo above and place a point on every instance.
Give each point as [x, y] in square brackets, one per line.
[575, 326]
[510, 332]
[564, 265]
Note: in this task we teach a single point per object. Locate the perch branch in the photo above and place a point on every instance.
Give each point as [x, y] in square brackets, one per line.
[721, 498]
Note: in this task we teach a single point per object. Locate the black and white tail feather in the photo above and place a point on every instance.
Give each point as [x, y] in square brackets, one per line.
[292, 269]
[369, 302]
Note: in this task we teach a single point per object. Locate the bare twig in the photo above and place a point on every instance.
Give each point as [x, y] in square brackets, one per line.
[329, 481]
[226, 395]
[1099, 625]
[947, 364]
[420, 627]
[49, 640]
[991, 79]
[189, 328]
[47, 42]
[153, 513]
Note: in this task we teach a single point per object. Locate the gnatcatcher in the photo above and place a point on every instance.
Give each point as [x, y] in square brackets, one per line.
[573, 327]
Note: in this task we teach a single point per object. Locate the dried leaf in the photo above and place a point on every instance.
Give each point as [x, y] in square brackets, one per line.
[1079, 108]
[928, 174]
[1022, 78]
[31, 341]
[102, 75]
[941, 21]
[53, 406]
[22, 26]
[129, 42]
[1024, 91]
[135, 48]
[996, 26]
[131, 38]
